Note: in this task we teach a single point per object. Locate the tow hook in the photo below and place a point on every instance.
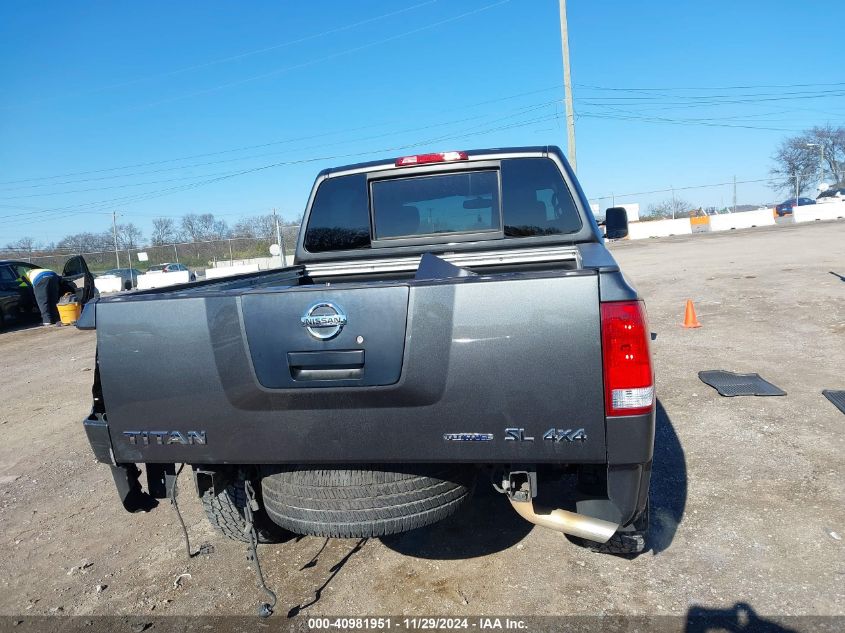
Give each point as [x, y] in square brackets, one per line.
[521, 488]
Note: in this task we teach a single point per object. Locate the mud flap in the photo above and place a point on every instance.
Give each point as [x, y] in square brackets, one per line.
[132, 496]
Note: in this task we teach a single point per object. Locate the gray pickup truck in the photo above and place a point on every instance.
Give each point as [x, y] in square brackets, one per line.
[447, 315]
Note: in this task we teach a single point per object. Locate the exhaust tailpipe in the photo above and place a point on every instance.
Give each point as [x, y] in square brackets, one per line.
[564, 521]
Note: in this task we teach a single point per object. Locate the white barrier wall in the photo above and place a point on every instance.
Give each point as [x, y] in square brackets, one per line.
[108, 284]
[160, 280]
[743, 220]
[659, 228]
[263, 263]
[823, 211]
[228, 271]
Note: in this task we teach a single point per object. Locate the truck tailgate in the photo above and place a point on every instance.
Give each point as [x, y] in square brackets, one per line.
[473, 369]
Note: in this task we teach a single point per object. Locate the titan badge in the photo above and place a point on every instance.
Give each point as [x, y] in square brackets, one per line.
[145, 438]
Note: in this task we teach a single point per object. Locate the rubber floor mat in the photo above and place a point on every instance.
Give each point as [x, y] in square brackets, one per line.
[836, 397]
[729, 384]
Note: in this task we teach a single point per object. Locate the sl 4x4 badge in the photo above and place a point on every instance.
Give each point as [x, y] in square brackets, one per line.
[514, 434]
[565, 435]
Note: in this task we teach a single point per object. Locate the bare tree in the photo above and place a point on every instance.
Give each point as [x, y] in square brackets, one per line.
[795, 166]
[832, 141]
[128, 236]
[219, 230]
[87, 242]
[24, 247]
[164, 232]
[203, 227]
[798, 159]
[667, 209]
[257, 226]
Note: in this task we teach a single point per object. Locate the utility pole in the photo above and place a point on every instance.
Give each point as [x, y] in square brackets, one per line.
[279, 240]
[114, 234]
[796, 188]
[673, 202]
[567, 84]
[734, 194]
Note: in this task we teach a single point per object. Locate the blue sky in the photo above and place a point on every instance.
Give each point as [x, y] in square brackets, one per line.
[159, 109]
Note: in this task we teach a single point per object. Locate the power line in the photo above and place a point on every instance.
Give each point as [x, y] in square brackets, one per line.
[717, 184]
[518, 112]
[320, 60]
[588, 101]
[58, 212]
[239, 56]
[748, 87]
[258, 146]
[662, 120]
[522, 109]
[123, 186]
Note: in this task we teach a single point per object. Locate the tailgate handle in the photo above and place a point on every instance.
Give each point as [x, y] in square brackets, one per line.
[332, 365]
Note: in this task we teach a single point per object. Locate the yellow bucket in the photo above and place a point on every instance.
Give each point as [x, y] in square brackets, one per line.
[69, 313]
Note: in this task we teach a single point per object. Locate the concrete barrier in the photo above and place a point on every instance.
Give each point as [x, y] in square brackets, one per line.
[659, 228]
[111, 283]
[228, 271]
[700, 223]
[742, 220]
[263, 263]
[160, 280]
[823, 211]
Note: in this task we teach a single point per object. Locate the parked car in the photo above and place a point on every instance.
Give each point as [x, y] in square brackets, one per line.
[17, 299]
[9, 300]
[128, 276]
[785, 207]
[171, 268]
[832, 194]
[447, 315]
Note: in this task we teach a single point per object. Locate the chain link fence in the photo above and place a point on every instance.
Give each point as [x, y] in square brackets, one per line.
[198, 256]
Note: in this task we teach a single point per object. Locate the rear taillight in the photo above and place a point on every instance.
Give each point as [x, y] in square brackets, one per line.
[424, 159]
[628, 377]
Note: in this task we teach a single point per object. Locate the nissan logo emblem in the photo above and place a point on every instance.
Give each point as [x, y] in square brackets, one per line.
[324, 320]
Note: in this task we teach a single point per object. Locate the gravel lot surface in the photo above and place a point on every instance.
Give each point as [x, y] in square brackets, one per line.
[748, 494]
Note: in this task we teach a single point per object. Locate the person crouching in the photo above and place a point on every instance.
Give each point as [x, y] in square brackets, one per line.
[45, 286]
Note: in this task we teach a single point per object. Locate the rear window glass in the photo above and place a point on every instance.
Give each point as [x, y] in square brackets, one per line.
[466, 202]
[340, 215]
[536, 199]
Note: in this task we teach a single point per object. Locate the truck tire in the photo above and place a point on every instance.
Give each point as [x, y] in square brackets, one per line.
[365, 501]
[225, 512]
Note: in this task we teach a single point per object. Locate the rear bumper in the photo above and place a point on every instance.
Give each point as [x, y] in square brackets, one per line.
[630, 446]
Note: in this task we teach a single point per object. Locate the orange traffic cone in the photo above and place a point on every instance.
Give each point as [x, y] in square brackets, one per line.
[690, 319]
